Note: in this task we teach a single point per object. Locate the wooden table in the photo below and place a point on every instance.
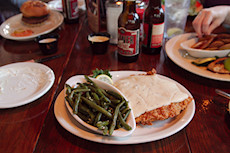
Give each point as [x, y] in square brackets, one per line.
[34, 128]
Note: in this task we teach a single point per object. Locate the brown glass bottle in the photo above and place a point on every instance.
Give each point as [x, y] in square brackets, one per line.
[128, 33]
[153, 26]
[70, 11]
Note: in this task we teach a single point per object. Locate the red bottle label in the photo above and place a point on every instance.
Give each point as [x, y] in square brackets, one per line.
[72, 9]
[128, 41]
[156, 37]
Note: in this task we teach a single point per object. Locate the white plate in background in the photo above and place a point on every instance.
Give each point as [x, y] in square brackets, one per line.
[180, 57]
[23, 82]
[142, 134]
[14, 23]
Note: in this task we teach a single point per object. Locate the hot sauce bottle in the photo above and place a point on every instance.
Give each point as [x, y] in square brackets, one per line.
[128, 33]
[153, 26]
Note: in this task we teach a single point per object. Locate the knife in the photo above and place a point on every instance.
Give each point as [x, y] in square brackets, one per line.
[41, 60]
[222, 93]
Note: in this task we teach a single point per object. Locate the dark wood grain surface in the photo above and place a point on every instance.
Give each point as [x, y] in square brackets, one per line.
[34, 128]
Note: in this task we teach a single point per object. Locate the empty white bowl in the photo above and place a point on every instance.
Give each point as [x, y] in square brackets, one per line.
[200, 53]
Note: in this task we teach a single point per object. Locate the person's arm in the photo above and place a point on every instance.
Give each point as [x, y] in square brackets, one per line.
[209, 19]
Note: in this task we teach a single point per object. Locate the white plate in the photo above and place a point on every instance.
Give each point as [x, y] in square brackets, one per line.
[55, 5]
[23, 82]
[142, 134]
[200, 53]
[14, 23]
[180, 57]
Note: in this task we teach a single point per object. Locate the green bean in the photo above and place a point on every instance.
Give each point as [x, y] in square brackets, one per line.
[70, 101]
[126, 103]
[97, 107]
[105, 131]
[97, 118]
[125, 110]
[122, 121]
[103, 96]
[71, 94]
[100, 91]
[77, 100]
[102, 123]
[90, 81]
[122, 108]
[127, 114]
[104, 92]
[68, 89]
[96, 98]
[79, 85]
[118, 125]
[90, 87]
[115, 95]
[113, 124]
[87, 93]
[84, 108]
[81, 90]
[115, 101]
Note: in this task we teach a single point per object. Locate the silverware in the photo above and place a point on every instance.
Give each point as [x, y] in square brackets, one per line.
[222, 93]
[47, 58]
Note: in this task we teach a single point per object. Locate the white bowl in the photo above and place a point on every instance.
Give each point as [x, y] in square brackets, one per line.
[121, 132]
[200, 53]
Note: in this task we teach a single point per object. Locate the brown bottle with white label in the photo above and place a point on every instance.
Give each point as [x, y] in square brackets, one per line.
[128, 33]
[153, 26]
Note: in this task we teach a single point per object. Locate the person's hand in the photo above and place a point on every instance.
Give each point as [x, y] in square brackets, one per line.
[209, 19]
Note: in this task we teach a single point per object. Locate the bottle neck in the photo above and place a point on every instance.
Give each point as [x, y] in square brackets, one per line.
[129, 5]
[154, 3]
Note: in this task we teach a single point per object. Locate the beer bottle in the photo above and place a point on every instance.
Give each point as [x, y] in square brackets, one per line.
[128, 33]
[153, 26]
[70, 11]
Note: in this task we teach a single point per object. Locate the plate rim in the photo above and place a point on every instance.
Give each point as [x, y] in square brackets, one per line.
[47, 86]
[175, 56]
[116, 141]
[31, 37]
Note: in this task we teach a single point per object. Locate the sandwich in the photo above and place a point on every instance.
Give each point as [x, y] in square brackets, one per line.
[34, 12]
[152, 97]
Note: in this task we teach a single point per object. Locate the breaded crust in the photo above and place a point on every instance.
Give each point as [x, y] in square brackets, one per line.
[163, 112]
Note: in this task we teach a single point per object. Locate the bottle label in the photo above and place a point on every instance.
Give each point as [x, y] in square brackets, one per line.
[128, 42]
[71, 9]
[156, 36]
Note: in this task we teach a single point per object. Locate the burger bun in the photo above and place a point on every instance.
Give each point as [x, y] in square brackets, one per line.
[34, 11]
